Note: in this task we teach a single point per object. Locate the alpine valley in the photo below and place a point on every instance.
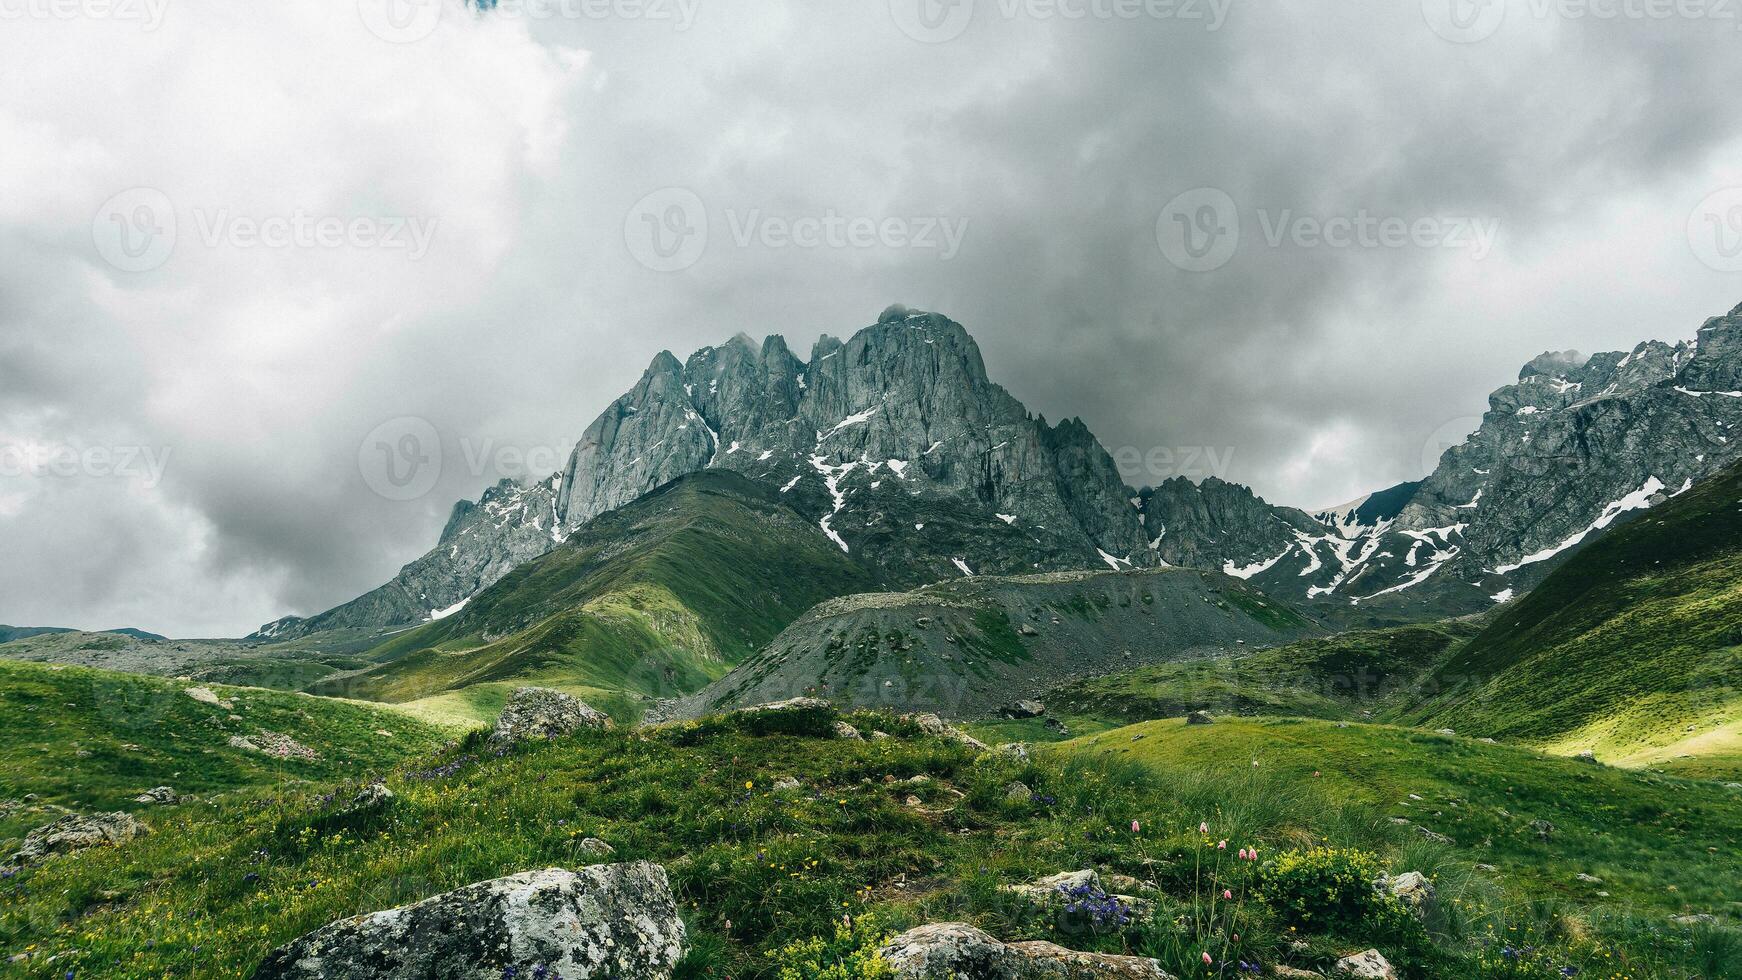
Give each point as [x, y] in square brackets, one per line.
[852, 667]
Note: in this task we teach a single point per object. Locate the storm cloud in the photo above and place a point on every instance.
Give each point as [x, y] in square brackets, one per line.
[1289, 244]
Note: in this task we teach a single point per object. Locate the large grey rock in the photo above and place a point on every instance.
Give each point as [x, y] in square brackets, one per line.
[606, 921]
[958, 951]
[539, 712]
[161, 795]
[76, 832]
[1365, 965]
[1023, 709]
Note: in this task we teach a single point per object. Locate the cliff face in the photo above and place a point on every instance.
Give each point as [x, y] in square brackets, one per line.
[894, 442]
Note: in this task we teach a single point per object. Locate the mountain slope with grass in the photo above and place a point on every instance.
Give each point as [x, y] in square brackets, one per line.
[1660, 846]
[911, 829]
[653, 600]
[967, 646]
[1346, 675]
[1632, 649]
[94, 739]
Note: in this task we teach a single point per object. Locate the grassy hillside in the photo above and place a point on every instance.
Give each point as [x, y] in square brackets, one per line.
[1337, 676]
[287, 665]
[1661, 845]
[93, 739]
[653, 600]
[967, 646]
[1633, 648]
[755, 867]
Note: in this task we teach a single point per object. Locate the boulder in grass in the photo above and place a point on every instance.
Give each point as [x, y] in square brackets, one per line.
[931, 724]
[1412, 889]
[160, 795]
[539, 712]
[956, 949]
[1023, 709]
[1200, 718]
[606, 922]
[1365, 965]
[76, 832]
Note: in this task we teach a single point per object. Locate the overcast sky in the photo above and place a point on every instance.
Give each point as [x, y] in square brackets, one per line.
[237, 238]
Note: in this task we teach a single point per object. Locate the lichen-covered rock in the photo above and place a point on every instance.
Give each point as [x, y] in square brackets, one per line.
[274, 744]
[608, 921]
[1019, 794]
[1015, 750]
[1412, 889]
[76, 832]
[958, 951]
[847, 732]
[1049, 960]
[1366, 965]
[595, 849]
[539, 712]
[1200, 718]
[161, 795]
[931, 724]
[1023, 709]
[1079, 902]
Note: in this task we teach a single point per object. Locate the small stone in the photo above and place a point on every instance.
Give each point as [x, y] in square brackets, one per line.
[594, 849]
[160, 795]
[204, 695]
[1027, 630]
[1018, 793]
[1015, 750]
[1200, 718]
[1444, 731]
[1288, 971]
[1586, 756]
[1412, 889]
[847, 732]
[1023, 709]
[1588, 879]
[787, 784]
[1694, 920]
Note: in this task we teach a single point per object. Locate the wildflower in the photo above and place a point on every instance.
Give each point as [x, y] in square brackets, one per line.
[1207, 960]
[1226, 894]
[1203, 828]
[1135, 826]
[1242, 853]
[1222, 845]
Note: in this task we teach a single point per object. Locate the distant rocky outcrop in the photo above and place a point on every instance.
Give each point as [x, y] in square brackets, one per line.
[76, 832]
[541, 713]
[616, 921]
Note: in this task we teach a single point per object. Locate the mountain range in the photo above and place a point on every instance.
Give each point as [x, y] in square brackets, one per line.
[900, 450]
